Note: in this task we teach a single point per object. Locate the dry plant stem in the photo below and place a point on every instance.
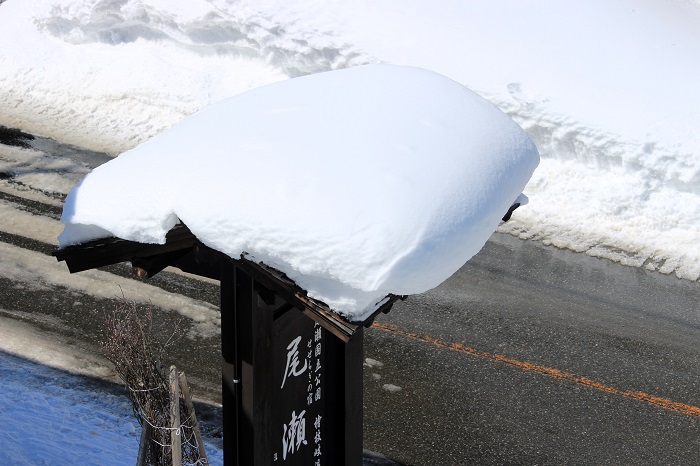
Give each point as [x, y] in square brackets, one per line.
[129, 343]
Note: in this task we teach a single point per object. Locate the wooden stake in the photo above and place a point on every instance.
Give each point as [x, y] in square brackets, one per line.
[175, 437]
[195, 425]
[145, 444]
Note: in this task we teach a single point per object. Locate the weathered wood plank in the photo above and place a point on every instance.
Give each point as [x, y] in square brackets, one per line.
[108, 251]
[144, 444]
[181, 245]
[175, 437]
[192, 415]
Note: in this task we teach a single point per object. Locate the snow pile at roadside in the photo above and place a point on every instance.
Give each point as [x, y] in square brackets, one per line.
[606, 90]
[356, 183]
[48, 416]
[108, 75]
[46, 419]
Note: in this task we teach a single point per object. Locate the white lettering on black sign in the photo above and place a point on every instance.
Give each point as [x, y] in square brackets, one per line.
[294, 434]
[293, 361]
[301, 348]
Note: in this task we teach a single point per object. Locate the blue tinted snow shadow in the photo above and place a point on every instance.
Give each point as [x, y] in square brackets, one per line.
[52, 417]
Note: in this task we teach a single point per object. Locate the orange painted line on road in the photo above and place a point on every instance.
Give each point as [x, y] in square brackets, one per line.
[664, 403]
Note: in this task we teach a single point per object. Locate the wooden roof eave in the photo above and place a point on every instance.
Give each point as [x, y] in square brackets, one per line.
[108, 251]
[180, 241]
[317, 310]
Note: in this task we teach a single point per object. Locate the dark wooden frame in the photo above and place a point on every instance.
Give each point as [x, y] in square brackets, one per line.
[253, 295]
[183, 250]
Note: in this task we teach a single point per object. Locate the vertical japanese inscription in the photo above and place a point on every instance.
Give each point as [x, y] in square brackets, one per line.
[294, 434]
[316, 388]
[298, 350]
[292, 369]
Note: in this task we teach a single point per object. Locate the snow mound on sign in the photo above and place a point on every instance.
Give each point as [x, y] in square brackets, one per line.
[355, 183]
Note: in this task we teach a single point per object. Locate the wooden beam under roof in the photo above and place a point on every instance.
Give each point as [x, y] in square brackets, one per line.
[108, 251]
[183, 250]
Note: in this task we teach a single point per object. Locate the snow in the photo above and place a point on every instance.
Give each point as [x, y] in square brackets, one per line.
[37, 169]
[64, 422]
[607, 90]
[48, 416]
[356, 183]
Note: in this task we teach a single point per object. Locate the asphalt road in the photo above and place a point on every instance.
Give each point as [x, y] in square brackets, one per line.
[527, 355]
[533, 355]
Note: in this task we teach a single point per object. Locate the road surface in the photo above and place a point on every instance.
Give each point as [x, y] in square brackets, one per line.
[532, 355]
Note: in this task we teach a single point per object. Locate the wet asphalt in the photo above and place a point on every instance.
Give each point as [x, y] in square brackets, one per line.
[533, 355]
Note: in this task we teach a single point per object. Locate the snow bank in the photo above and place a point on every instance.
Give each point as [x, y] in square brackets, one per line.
[356, 183]
[107, 74]
[607, 90]
[51, 417]
[79, 423]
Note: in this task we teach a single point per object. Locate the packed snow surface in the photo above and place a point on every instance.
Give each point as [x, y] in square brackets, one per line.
[52, 417]
[356, 183]
[607, 90]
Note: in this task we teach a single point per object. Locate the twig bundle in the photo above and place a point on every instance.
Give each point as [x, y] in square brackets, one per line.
[128, 342]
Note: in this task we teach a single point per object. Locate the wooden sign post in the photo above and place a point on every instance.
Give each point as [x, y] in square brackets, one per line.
[292, 390]
[291, 368]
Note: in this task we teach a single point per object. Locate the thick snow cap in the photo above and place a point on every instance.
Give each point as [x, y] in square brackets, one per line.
[356, 183]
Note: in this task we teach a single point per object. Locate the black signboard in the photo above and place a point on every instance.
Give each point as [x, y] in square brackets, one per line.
[298, 404]
[298, 388]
